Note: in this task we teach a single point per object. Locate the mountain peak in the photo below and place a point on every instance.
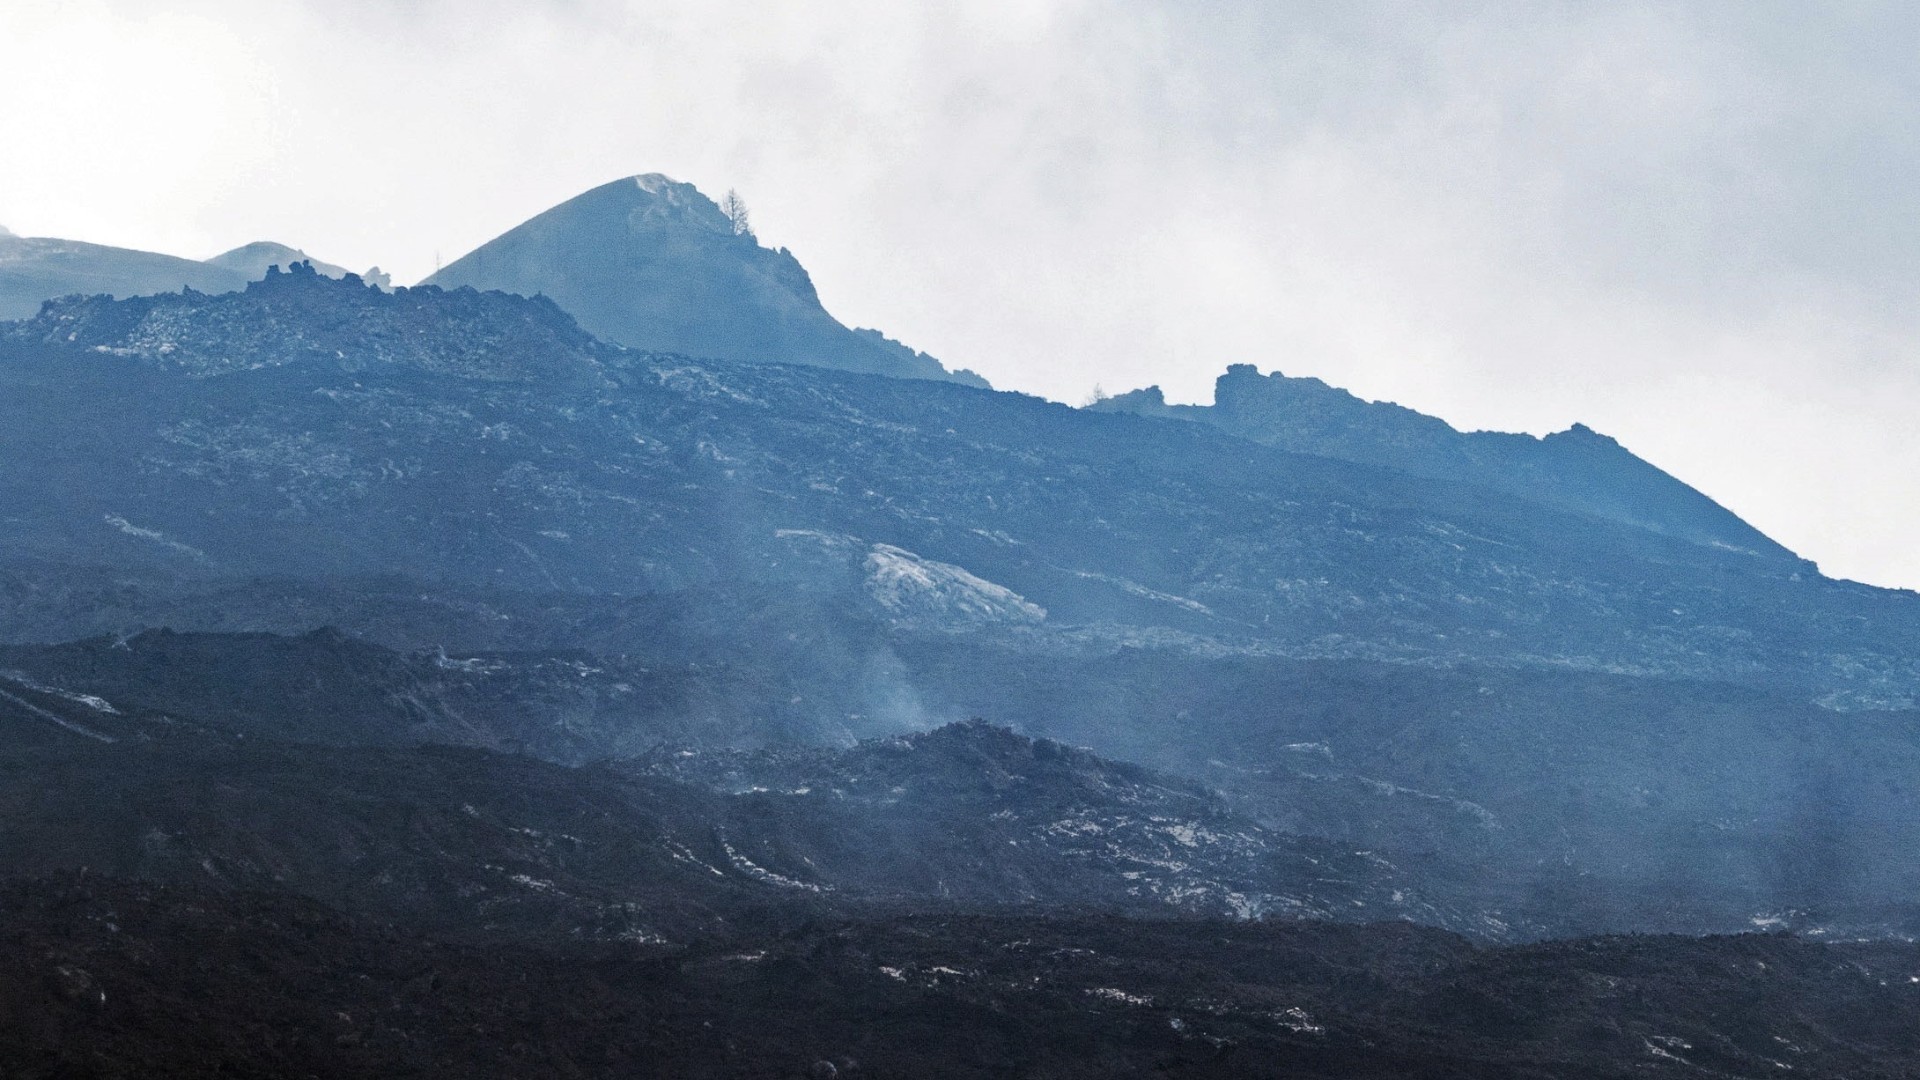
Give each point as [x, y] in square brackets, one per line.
[678, 194]
[656, 202]
[652, 263]
[1583, 433]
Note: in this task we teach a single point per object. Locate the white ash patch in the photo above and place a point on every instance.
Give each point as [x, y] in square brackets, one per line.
[915, 589]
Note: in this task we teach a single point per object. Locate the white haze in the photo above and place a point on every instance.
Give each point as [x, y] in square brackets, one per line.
[1690, 226]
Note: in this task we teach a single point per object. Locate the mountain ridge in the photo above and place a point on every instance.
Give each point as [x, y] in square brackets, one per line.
[1578, 469]
[34, 270]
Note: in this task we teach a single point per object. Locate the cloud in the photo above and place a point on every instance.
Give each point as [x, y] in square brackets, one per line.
[1692, 227]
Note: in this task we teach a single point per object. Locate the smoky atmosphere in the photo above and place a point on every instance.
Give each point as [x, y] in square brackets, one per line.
[1099, 538]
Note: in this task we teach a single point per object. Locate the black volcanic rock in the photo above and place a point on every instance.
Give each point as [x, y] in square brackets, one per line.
[104, 977]
[1566, 801]
[246, 756]
[978, 814]
[653, 264]
[1547, 801]
[1577, 470]
[565, 706]
[253, 796]
[460, 841]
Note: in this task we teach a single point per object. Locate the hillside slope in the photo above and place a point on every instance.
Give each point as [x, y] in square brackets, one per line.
[34, 270]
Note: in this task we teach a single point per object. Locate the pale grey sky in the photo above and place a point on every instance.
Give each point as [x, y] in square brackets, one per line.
[1692, 226]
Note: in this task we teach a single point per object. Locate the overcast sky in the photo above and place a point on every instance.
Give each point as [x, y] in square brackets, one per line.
[1691, 226]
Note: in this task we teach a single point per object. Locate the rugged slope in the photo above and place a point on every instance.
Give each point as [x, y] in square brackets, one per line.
[1577, 470]
[653, 264]
[451, 838]
[786, 554]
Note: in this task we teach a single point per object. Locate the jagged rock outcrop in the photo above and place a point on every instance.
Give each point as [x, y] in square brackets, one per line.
[1577, 470]
[977, 813]
[251, 261]
[300, 314]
